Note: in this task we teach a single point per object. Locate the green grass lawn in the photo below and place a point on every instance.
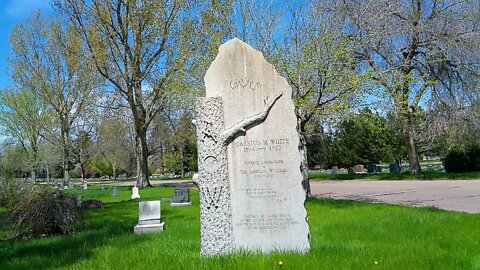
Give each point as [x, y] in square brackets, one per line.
[345, 235]
[397, 176]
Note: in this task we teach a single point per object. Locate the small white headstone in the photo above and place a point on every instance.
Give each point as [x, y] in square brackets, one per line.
[135, 194]
[85, 185]
[195, 179]
[149, 214]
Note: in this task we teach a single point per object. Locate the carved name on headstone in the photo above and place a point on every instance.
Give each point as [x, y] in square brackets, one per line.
[251, 196]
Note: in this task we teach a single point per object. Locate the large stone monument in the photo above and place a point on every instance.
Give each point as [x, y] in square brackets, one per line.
[250, 180]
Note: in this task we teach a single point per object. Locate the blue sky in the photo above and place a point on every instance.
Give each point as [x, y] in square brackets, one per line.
[12, 12]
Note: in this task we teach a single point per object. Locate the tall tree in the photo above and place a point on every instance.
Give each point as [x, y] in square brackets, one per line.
[363, 138]
[23, 116]
[305, 46]
[143, 47]
[414, 50]
[113, 143]
[47, 59]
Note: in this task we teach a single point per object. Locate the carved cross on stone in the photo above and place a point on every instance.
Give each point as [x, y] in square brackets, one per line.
[215, 202]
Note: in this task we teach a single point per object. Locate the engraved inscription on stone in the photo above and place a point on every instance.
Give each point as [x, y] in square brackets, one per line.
[181, 195]
[263, 181]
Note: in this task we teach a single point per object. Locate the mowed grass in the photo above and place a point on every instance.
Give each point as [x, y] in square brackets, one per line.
[397, 176]
[345, 235]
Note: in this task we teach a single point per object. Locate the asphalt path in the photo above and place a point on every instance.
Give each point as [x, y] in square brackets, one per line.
[454, 195]
[131, 183]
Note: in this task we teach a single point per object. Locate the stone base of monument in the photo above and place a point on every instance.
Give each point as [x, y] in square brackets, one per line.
[149, 228]
[135, 197]
[180, 204]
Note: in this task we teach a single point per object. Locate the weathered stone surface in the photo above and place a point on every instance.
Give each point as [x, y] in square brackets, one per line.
[181, 195]
[149, 214]
[249, 163]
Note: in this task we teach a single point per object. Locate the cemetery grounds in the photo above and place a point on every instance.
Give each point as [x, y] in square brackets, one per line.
[345, 235]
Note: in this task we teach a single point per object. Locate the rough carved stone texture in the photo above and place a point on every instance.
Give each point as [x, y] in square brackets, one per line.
[215, 208]
[249, 162]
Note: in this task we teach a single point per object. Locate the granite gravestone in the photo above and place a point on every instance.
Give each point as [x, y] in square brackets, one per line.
[149, 218]
[394, 168]
[115, 192]
[181, 197]
[251, 196]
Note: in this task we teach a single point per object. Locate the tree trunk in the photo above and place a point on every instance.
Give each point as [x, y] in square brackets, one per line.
[114, 170]
[139, 118]
[34, 162]
[162, 167]
[65, 144]
[182, 167]
[302, 147]
[82, 171]
[34, 176]
[409, 138]
[142, 159]
[47, 172]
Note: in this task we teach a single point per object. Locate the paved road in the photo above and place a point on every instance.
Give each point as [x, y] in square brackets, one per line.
[459, 195]
[131, 183]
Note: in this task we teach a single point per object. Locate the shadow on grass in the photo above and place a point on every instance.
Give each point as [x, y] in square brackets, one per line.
[334, 203]
[346, 204]
[102, 225]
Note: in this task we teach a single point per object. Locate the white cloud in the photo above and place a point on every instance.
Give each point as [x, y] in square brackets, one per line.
[20, 9]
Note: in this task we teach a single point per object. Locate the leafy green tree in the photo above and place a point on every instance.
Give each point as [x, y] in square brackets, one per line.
[15, 161]
[363, 139]
[114, 144]
[415, 51]
[317, 60]
[47, 60]
[316, 145]
[172, 161]
[84, 151]
[50, 158]
[144, 49]
[24, 115]
[101, 165]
